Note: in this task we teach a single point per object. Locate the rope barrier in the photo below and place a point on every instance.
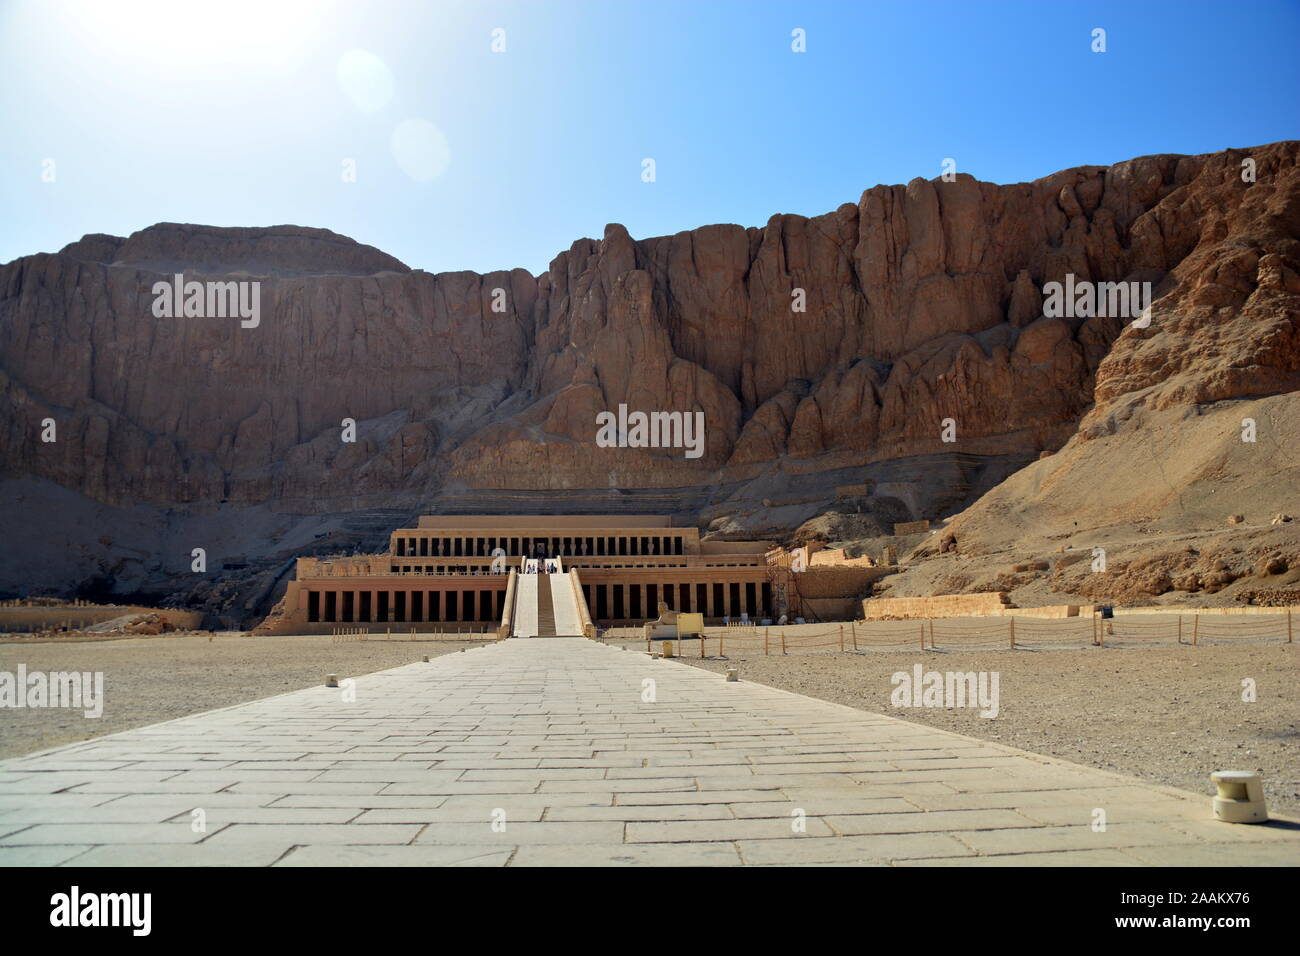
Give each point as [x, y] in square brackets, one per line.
[1008, 632]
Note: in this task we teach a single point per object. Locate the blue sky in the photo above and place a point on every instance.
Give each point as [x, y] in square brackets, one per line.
[243, 112]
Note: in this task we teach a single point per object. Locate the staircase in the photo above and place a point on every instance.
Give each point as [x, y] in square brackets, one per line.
[545, 608]
[547, 605]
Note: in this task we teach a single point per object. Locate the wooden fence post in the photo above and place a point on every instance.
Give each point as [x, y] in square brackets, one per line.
[841, 638]
[1288, 625]
[853, 626]
[765, 642]
[1196, 628]
[922, 623]
[1180, 629]
[1013, 632]
[782, 640]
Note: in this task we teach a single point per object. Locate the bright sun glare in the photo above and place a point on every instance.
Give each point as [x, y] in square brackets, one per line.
[201, 32]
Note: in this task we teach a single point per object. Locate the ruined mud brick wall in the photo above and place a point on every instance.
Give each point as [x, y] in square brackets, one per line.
[830, 609]
[23, 619]
[834, 557]
[852, 491]
[911, 527]
[837, 582]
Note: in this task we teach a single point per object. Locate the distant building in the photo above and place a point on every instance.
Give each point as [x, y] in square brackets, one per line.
[444, 570]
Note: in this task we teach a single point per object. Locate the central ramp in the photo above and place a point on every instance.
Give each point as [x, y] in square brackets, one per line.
[546, 601]
[545, 608]
[546, 605]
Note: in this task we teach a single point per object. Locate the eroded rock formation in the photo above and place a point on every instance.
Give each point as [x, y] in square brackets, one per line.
[924, 302]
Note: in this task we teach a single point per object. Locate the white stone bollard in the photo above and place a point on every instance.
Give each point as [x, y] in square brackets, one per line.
[1240, 798]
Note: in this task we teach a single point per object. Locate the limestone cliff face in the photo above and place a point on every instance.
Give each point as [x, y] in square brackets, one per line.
[1229, 326]
[201, 409]
[923, 302]
[1165, 448]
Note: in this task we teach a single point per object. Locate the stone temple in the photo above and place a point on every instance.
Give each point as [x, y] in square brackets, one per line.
[603, 570]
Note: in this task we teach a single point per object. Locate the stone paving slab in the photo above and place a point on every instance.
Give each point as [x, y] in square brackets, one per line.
[564, 751]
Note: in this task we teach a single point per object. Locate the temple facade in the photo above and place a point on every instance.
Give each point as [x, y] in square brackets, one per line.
[449, 570]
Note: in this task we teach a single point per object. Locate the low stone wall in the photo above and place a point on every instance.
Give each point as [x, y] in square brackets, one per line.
[944, 605]
[1050, 610]
[1185, 611]
[997, 604]
[911, 527]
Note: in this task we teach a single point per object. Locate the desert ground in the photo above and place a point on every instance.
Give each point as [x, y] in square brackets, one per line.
[1167, 714]
[1162, 711]
[152, 679]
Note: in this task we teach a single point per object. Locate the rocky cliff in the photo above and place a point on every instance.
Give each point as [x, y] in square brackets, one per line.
[920, 303]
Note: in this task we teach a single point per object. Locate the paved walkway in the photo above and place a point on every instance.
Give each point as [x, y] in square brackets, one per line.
[553, 739]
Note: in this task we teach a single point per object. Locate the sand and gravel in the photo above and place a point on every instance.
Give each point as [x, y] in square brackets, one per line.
[1170, 715]
[151, 679]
